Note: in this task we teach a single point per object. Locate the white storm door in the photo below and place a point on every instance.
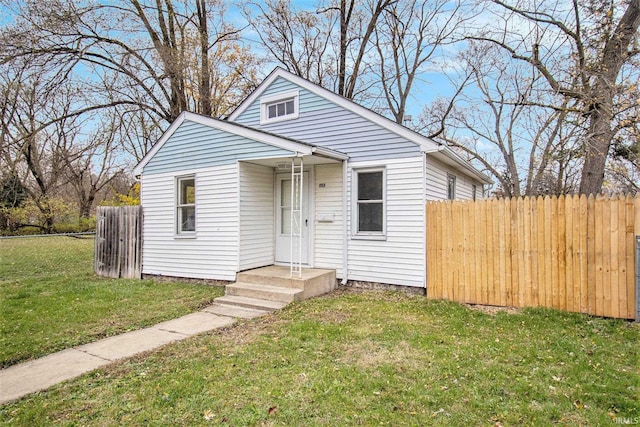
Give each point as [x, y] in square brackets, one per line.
[283, 218]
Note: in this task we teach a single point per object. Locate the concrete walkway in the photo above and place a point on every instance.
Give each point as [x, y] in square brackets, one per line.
[40, 374]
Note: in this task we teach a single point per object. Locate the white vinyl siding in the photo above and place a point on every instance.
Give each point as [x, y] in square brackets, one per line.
[213, 253]
[256, 216]
[436, 181]
[398, 260]
[463, 189]
[328, 200]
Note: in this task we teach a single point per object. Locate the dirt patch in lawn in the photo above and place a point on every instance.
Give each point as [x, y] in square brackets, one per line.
[492, 309]
[369, 354]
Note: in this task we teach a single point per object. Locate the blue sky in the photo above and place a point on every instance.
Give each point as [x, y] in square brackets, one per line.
[431, 84]
[426, 89]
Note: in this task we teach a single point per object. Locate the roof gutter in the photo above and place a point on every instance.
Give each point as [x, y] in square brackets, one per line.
[326, 152]
[450, 154]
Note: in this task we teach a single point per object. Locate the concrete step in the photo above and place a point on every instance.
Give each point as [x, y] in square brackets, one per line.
[282, 280]
[234, 311]
[252, 303]
[266, 292]
[313, 281]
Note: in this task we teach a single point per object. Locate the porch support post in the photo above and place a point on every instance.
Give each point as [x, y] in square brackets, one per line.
[297, 177]
[301, 184]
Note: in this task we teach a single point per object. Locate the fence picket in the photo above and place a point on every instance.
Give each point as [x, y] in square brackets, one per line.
[598, 239]
[561, 256]
[629, 242]
[520, 261]
[581, 219]
[569, 251]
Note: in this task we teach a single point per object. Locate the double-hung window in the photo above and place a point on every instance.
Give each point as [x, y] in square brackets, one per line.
[186, 205]
[370, 213]
[282, 106]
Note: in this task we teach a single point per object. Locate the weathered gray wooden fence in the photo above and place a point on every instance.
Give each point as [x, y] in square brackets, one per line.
[118, 251]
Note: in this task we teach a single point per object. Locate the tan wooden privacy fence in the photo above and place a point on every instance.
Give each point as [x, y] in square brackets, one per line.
[118, 241]
[571, 253]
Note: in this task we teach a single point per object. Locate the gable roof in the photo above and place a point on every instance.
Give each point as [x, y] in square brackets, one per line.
[427, 145]
[297, 147]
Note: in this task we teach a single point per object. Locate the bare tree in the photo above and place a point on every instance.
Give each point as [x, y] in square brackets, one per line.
[356, 30]
[501, 123]
[31, 150]
[82, 82]
[45, 147]
[154, 56]
[580, 50]
[91, 162]
[299, 39]
[409, 35]
[329, 46]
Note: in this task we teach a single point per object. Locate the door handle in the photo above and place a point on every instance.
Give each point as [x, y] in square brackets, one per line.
[306, 222]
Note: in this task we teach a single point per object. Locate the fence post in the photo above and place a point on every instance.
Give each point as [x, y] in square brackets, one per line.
[638, 278]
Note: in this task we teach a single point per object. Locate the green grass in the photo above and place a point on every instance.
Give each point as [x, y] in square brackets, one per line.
[366, 358]
[51, 300]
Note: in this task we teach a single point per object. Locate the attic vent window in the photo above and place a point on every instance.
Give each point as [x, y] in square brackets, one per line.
[283, 106]
[279, 109]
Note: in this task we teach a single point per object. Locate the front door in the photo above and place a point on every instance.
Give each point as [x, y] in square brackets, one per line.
[283, 218]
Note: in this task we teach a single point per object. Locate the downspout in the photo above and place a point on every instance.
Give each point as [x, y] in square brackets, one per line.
[345, 229]
[424, 220]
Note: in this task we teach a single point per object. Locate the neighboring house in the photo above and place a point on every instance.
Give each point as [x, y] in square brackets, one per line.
[217, 194]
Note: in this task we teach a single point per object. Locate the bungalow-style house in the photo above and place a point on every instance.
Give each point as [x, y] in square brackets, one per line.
[294, 159]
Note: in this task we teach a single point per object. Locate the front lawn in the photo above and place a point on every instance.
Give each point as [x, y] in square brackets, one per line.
[367, 358]
[51, 300]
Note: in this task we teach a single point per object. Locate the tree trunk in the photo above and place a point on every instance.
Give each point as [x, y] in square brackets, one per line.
[596, 150]
[342, 61]
[87, 203]
[600, 104]
[205, 75]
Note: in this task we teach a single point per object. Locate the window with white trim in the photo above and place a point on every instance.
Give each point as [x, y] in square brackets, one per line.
[451, 186]
[282, 106]
[370, 203]
[280, 109]
[186, 205]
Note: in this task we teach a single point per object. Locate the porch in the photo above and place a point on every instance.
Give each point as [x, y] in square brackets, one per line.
[271, 288]
[290, 213]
